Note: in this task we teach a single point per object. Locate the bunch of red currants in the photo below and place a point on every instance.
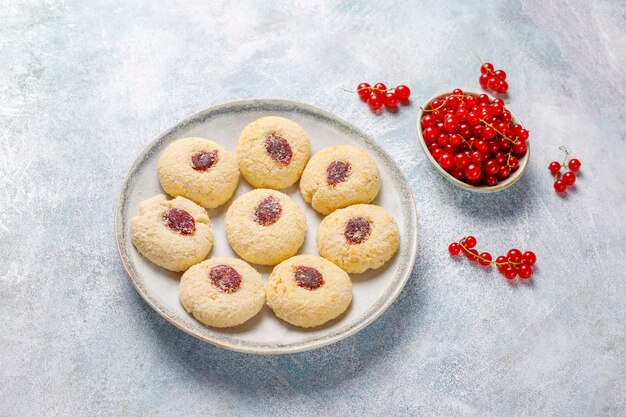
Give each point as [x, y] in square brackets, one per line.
[493, 80]
[379, 95]
[514, 264]
[561, 182]
[472, 138]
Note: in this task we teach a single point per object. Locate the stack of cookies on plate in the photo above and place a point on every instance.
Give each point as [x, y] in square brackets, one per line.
[265, 226]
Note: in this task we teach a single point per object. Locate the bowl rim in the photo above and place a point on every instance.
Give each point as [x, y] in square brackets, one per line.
[475, 188]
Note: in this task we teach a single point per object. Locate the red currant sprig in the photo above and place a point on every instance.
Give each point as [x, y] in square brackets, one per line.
[378, 95]
[515, 263]
[473, 139]
[561, 182]
[493, 80]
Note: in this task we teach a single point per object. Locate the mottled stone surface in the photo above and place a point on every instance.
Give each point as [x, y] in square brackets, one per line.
[84, 86]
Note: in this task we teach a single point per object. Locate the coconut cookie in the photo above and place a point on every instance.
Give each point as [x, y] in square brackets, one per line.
[272, 152]
[265, 226]
[200, 170]
[173, 234]
[308, 291]
[358, 238]
[222, 292]
[338, 177]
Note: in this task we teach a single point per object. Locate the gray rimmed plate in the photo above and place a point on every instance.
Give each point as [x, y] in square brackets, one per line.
[373, 291]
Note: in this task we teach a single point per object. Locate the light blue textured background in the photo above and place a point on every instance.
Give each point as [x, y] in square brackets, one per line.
[84, 86]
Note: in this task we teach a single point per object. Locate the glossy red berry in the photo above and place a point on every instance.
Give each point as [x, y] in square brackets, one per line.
[484, 259]
[529, 258]
[469, 242]
[486, 68]
[454, 248]
[472, 254]
[514, 255]
[502, 88]
[403, 92]
[524, 271]
[364, 90]
[446, 161]
[472, 172]
[509, 272]
[569, 178]
[391, 100]
[380, 88]
[500, 74]
[573, 165]
[375, 101]
[554, 167]
[559, 186]
[501, 262]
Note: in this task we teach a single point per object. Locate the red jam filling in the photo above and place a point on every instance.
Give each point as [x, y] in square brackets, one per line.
[201, 161]
[308, 278]
[225, 278]
[268, 212]
[357, 230]
[180, 221]
[337, 172]
[278, 149]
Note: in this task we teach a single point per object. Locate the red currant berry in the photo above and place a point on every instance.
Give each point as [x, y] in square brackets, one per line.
[529, 258]
[506, 116]
[493, 83]
[569, 178]
[450, 124]
[391, 100]
[519, 148]
[554, 167]
[471, 101]
[454, 248]
[490, 167]
[573, 165]
[472, 254]
[436, 152]
[428, 121]
[461, 160]
[458, 173]
[477, 157]
[503, 86]
[455, 140]
[469, 242]
[364, 90]
[472, 172]
[523, 134]
[488, 132]
[501, 262]
[509, 272]
[446, 161]
[435, 104]
[491, 180]
[513, 163]
[487, 68]
[524, 271]
[375, 102]
[452, 102]
[484, 78]
[430, 134]
[504, 172]
[514, 255]
[500, 74]
[483, 98]
[485, 259]
[380, 89]
[403, 92]
[442, 139]
[559, 186]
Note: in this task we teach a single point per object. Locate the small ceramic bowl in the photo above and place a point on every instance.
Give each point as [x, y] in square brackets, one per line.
[523, 162]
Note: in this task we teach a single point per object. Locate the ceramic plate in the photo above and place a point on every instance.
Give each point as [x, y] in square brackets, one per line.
[373, 291]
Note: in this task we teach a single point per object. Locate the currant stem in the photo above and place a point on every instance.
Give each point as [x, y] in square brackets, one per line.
[498, 132]
[498, 264]
[563, 164]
